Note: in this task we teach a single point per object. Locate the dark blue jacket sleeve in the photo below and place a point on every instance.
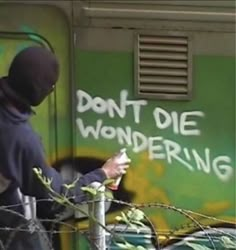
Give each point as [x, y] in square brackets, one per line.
[33, 156]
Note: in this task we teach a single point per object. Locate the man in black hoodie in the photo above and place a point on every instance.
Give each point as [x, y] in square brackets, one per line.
[32, 76]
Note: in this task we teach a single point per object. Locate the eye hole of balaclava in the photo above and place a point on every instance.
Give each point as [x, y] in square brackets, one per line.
[33, 74]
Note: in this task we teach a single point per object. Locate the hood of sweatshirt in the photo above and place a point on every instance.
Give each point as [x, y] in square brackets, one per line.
[9, 114]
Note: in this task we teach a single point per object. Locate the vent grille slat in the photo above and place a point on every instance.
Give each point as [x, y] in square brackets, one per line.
[163, 89]
[163, 55]
[164, 71]
[160, 80]
[146, 47]
[162, 40]
[163, 66]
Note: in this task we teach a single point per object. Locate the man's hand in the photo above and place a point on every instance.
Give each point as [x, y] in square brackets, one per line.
[113, 169]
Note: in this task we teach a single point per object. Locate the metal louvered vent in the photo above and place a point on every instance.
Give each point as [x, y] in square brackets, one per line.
[163, 67]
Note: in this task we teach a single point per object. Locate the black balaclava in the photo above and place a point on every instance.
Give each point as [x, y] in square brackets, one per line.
[32, 76]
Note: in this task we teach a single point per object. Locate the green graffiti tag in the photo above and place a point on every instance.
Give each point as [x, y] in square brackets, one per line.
[31, 33]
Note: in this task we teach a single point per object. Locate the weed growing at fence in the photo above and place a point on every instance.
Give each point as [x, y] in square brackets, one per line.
[133, 217]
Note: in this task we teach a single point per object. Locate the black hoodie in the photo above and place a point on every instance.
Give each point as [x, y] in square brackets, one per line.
[20, 152]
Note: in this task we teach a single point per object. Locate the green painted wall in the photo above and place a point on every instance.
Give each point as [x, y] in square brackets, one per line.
[178, 179]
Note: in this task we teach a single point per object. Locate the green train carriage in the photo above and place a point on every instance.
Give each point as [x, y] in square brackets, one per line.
[156, 77]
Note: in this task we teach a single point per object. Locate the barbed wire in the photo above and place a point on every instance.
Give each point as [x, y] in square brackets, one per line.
[59, 225]
[128, 204]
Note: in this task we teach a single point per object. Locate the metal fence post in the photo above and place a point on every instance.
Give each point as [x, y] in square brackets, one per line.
[97, 210]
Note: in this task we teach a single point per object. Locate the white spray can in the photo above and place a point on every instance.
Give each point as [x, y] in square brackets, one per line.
[122, 159]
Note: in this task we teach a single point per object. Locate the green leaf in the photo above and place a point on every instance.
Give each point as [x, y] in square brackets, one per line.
[58, 200]
[48, 181]
[140, 248]
[71, 185]
[37, 171]
[118, 218]
[67, 186]
[136, 214]
[126, 246]
[109, 195]
[122, 246]
[135, 227]
[124, 218]
[90, 190]
[108, 182]
[227, 242]
[197, 246]
[139, 223]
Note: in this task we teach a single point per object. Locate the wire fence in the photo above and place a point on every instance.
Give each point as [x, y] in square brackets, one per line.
[17, 229]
